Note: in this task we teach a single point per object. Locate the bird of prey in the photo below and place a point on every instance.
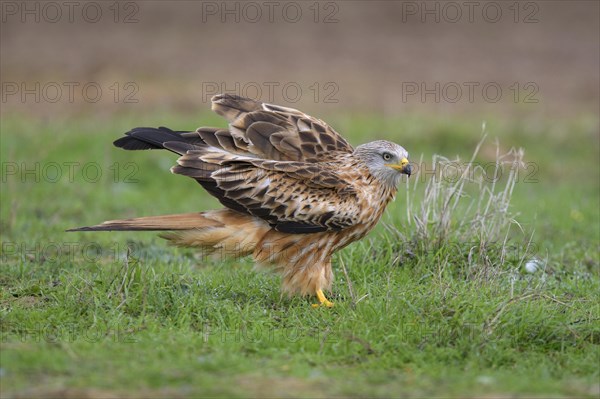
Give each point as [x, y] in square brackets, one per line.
[294, 191]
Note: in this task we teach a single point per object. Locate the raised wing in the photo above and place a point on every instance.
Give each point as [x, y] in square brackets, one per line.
[273, 162]
[272, 132]
[256, 129]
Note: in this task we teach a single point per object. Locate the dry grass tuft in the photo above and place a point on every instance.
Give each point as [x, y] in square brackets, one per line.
[464, 211]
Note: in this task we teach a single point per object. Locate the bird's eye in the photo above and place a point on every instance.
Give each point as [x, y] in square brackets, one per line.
[387, 156]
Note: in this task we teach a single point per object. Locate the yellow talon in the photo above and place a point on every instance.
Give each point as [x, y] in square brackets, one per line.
[323, 301]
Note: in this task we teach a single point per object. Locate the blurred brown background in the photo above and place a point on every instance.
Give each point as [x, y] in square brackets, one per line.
[323, 57]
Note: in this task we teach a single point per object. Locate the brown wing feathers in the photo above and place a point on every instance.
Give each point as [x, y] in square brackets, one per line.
[230, 106]
[249, 166]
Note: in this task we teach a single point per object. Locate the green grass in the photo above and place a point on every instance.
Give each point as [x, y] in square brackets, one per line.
[422, 317]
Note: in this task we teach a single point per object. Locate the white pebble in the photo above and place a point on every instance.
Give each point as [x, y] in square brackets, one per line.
[533, 265]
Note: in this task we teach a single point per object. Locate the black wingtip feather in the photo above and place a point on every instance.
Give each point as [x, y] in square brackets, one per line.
[133, 144]
[179, 147]
[298, 228]
[150, 138]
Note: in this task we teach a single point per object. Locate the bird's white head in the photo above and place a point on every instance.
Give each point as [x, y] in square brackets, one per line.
[387, 161]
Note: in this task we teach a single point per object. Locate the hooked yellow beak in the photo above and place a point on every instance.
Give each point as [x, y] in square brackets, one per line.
[403, 166]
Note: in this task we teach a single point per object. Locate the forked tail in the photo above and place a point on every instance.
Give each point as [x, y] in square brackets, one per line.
[223, 233]
[182, 221]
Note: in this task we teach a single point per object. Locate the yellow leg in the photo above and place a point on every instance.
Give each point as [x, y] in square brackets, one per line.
[322, 300]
